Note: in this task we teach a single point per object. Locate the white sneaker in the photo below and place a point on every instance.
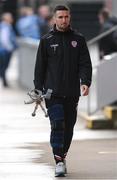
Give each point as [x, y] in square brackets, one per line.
[60, 169]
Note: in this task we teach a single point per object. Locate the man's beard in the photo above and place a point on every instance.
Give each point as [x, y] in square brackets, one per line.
[63, 28]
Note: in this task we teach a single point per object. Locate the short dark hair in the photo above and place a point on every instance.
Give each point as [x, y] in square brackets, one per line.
[61, 7]
[105, 13]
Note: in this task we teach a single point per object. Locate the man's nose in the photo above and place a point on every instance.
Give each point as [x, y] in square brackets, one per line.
[64, 20]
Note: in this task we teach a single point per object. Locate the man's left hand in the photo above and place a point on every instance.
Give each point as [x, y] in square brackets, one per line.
[84, 90]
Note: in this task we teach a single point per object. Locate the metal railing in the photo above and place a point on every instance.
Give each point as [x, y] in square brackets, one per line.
[99, 94]
[102, 35]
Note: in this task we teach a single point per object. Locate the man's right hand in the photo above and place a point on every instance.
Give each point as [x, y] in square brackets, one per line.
[38, 92]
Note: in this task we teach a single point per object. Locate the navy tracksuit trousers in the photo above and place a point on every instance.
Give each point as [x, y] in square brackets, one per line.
[62, 112]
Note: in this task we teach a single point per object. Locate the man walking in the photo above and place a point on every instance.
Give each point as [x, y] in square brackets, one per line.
[63, 64]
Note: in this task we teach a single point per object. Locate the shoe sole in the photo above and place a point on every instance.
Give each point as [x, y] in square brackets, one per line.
[60, 175]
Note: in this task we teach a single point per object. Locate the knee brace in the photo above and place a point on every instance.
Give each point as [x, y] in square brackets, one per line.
[56, 115]
[57, 126]
[56, 112]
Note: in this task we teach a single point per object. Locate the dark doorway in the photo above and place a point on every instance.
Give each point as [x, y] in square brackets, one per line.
[84, 18]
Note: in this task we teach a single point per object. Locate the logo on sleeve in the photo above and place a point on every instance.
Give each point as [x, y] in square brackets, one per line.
[74, 43]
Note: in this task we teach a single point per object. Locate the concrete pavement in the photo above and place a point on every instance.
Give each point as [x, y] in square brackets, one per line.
[24, 145]
[25, 152]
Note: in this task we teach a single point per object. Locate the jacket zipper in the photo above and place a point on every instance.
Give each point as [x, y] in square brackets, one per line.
[63, 56]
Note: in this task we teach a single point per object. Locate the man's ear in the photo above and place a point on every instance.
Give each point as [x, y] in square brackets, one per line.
[54, 20]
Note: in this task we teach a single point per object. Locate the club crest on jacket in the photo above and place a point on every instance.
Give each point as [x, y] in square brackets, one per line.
[74, 43]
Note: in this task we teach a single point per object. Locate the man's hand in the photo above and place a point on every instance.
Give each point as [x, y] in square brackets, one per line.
[38, 92]
[84, 90]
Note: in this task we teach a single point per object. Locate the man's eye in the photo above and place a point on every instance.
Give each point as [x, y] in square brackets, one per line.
[61, 17]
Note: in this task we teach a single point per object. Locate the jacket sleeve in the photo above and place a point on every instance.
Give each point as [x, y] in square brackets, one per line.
[40, 66]
[85, 66]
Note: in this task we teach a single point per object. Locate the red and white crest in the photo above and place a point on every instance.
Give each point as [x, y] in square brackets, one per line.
[74, 43]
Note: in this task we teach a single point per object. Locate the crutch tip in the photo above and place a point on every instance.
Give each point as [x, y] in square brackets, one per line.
[33, 114]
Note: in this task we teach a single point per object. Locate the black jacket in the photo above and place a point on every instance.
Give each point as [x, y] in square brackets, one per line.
[62, 62]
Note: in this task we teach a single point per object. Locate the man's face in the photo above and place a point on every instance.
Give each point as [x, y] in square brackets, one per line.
[101, 19]
[62, 19]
